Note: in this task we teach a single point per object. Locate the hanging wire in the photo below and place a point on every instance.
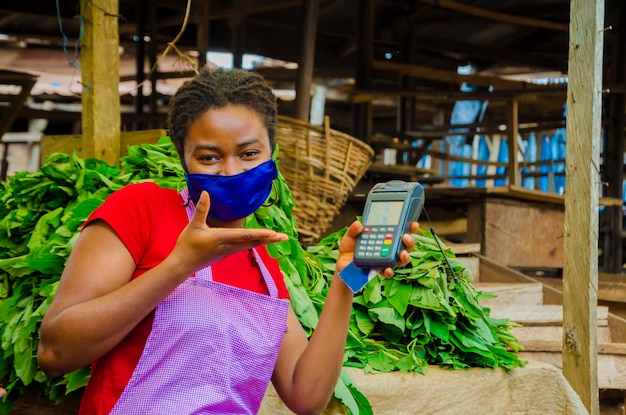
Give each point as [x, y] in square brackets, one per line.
[73, 61]
[172, 45]
[445, 257]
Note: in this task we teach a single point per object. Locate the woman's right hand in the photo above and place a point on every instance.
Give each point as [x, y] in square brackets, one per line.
[199, 245]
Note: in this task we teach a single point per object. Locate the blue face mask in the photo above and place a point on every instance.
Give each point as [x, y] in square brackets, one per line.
[234, 197]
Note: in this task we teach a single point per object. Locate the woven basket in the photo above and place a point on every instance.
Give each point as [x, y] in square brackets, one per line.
[321, 166]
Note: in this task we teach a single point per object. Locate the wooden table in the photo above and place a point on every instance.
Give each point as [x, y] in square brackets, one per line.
[537, 388]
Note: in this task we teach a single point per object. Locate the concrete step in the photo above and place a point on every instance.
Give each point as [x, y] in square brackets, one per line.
[511, 293]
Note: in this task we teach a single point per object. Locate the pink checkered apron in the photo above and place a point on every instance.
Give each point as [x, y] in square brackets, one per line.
[212, 350]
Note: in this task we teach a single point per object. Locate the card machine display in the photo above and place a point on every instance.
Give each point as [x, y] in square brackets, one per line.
[390, 208]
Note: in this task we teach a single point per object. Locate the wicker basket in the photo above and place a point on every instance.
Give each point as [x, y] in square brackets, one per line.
[321, 166]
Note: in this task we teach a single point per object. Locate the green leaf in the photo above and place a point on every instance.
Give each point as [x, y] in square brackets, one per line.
[77, 379]
[363, 321]
[302, 305]
[46, 263]
[381, 362]
[388, 315]
[439, 329]
[42, 230]
[25, 364]
[399, 294]
[372, 292]
[349, 395]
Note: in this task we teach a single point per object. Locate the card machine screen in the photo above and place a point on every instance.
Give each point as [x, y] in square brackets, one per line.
[384, 213]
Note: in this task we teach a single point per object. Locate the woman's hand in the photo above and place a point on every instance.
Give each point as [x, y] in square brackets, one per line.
[306, 373]
[198, 245]
[348, 244]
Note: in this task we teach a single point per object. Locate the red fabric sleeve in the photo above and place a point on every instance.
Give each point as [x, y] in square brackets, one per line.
[139, 213]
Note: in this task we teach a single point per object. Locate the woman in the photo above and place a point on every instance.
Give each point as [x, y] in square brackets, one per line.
[179, 309]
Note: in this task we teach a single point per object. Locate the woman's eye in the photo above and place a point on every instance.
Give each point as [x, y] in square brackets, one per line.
[208, 158]
[250, 153]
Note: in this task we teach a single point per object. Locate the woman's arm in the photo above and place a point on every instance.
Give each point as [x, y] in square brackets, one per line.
[306, 373]
[96, 304]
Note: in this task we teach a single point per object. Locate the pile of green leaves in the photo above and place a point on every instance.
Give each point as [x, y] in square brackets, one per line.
[418, 318]
[40, 216]
[41, 213]
[425, 315]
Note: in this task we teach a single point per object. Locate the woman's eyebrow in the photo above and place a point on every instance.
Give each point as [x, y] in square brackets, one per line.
[242, 144]
[206, 147]
[248, 142]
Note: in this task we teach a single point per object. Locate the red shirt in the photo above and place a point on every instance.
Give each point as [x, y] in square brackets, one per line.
[148, 219]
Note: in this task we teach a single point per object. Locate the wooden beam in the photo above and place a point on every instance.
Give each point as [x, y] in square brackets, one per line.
[453, 96]
[448, 76]
[450, 157]
[486, 129]
[100, 96]
[512, 133]
[304, 78]
[500, 17]
[580, 268]
[491, 53]
[238, 23]
[362, 112]
[204, 33]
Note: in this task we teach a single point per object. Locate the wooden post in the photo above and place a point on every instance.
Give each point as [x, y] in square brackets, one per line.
[362, 111]
[613, 171]
[100, 68]
[140, 61]
[238, 22]
[152, 57]
[406, 105]
[204, 33]
[512, 133]
[580, 244]
[304, 78]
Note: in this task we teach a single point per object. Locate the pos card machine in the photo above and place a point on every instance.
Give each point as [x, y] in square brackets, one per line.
[389, 210]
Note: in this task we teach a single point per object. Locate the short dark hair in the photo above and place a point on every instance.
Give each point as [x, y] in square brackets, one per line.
[214, 89]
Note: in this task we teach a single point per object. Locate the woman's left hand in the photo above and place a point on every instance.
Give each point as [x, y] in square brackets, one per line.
[348, 244]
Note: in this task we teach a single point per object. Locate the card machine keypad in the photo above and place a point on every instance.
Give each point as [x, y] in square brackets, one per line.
[376, 242]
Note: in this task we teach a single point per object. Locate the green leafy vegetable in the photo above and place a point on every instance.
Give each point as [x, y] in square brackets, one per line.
[422, 316]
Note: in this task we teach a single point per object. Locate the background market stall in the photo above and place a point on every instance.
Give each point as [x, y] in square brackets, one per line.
[101, 120]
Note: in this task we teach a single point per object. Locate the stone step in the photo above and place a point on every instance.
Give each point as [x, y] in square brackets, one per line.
[511, 293]
[540, 315]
